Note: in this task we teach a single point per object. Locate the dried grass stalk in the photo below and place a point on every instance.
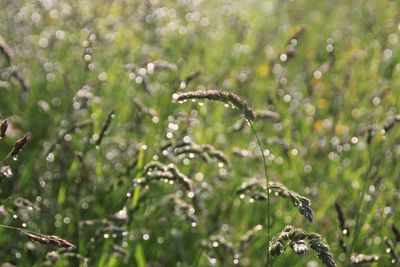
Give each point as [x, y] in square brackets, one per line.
[223, 96]
[51, 240]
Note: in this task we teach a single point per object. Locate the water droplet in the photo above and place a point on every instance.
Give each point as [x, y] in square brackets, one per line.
[15, 157]
[50, 157]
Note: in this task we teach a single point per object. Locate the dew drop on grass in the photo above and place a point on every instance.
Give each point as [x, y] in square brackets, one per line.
[15, 157]
[213, 261]
[50, 157]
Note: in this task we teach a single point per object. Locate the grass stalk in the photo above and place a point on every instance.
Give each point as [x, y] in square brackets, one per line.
[268, 198]
[359, 209]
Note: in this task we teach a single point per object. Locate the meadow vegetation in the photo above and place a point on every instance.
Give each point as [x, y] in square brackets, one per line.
[115, 150]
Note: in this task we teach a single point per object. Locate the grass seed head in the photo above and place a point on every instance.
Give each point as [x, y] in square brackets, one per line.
[217, 95]
[51, 240]
[322, 249]
[19, 145]
[298, 241]
[3, 128]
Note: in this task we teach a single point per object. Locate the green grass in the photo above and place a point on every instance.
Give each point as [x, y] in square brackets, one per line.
[322, 147]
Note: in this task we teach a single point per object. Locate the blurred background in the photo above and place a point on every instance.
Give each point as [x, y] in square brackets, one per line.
[91, 83]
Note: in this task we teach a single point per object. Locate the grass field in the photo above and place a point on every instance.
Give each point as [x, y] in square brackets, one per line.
[100, 165]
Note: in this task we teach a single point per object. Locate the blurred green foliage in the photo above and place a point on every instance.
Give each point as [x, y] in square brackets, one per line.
[329, 69]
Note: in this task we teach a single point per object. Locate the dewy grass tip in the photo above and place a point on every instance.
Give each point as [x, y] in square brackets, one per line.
[223, 96]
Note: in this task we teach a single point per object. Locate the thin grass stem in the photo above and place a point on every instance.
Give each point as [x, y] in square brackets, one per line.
[268, 202]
